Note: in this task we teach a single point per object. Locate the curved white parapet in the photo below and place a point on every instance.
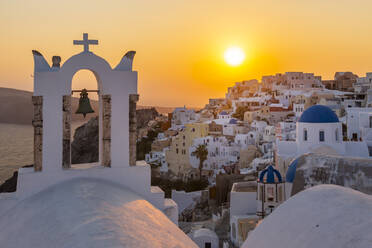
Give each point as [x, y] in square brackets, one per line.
[40, 62]
[126, 62]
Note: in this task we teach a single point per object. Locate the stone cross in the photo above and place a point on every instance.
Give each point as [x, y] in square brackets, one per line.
[86, 42]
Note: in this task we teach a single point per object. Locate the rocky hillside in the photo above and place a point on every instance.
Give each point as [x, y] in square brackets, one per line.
[15, 106]
[145, 115]
[84, 148]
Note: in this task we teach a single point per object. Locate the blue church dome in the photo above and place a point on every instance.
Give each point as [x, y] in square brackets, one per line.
[223, 113]
[233, 121]
[291, 172]
[318, 114]
[270, 174]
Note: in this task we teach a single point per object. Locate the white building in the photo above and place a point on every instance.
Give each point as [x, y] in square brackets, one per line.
[224, 115]
[230, 128]
[258, 126]
[319, 131]
[269, 134]
[285, 130]
[253, 103]
[363, 84]
[359, 123]
[244, 140]
[254, 137]
[158, 158]
[205, 238]
[221, 152]
[298, 109]
[182, 116]
[243, 208]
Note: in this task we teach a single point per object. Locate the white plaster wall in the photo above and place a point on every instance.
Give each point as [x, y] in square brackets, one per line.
[353, 118]
[229, 129]
[242, 140]
[171, 210]
[200, 241]
[184, 199]
[352, 122]
[313, 136]
[242, 203]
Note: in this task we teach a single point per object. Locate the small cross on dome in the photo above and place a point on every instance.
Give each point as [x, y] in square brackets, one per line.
[86, 42]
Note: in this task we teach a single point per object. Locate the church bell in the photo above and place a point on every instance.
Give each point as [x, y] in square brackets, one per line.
[84, 104]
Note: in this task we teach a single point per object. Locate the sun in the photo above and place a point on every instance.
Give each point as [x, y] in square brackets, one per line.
[234, 56]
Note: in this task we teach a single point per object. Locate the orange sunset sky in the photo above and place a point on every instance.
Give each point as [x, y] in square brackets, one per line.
[180, 44]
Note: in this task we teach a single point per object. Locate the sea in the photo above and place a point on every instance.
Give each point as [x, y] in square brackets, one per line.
[16, 147]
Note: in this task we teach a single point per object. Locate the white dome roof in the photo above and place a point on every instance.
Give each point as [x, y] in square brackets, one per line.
[322, 216]
[205, 232]
[88, 213]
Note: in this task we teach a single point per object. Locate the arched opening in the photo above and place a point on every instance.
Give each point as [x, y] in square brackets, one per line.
[85, 131]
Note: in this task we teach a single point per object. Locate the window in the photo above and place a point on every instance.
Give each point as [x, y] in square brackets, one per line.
[270, 194]
[336, 134]
[177, 150]
[370, 122]
[208, 245]
[305, 135]
[321, 136]
[280, 192]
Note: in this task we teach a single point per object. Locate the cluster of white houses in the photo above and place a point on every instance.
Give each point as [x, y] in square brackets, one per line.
[263, 119]
[264, 127]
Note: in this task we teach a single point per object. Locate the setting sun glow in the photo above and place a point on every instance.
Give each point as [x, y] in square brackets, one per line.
[234, 56]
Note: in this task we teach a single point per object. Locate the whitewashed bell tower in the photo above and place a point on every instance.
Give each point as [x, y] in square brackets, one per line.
[117, 90]
[52, 93]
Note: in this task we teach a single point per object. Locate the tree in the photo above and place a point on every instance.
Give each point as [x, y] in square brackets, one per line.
[239, 113]
[201, 153]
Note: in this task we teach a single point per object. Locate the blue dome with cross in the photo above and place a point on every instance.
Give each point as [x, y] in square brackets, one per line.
[268, 175]
[319, 114]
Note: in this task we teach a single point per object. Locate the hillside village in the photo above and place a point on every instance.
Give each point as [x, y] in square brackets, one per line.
[241, 172]
[271, 138]
[250, 125]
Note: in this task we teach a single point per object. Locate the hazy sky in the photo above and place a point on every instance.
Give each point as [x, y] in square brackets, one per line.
[180, 44]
